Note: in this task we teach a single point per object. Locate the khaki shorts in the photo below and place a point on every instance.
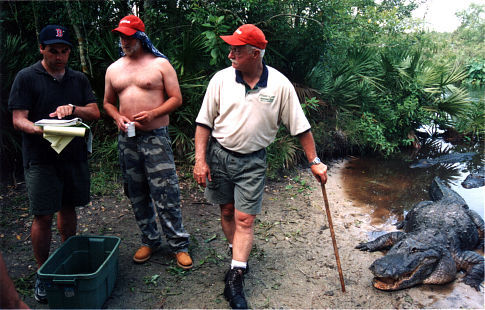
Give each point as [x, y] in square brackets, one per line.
[52, 186]
[236, 178]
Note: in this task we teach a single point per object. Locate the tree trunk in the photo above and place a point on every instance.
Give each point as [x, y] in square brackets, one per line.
[87, 41]
[80, 40]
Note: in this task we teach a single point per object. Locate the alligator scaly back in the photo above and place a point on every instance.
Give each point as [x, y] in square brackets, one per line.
[437, 241]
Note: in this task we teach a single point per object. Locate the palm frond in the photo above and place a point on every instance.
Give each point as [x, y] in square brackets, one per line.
[304, 91]
[454, 76]
[456, 103]
[183, 144]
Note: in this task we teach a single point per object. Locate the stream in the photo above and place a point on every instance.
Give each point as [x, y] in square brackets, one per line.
[394, 188]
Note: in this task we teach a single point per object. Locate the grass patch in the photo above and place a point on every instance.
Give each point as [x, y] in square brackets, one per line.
[104, 179]
[24, 285]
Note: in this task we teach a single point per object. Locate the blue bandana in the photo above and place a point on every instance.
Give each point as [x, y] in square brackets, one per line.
[146, 44]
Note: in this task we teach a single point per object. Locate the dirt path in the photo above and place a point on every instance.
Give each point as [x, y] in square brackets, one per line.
[292, 264]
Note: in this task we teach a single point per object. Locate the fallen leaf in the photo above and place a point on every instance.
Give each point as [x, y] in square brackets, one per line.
[211, 238]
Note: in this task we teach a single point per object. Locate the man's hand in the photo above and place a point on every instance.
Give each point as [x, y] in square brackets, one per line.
[122, 122]
[37, 130]
[308, 144]
[144, 117]
[202, 173]
[62, 111]
[320, 172]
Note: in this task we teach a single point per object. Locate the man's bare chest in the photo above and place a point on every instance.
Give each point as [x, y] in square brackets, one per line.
[144, 78]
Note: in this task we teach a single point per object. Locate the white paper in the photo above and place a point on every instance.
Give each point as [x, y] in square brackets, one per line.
[59, 122]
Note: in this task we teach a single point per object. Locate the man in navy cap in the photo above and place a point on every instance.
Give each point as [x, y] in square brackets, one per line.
[55, 182]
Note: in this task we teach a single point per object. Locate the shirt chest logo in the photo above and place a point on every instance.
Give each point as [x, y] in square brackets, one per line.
[266, 98]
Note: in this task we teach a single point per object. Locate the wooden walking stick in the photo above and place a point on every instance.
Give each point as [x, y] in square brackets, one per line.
[332, 233]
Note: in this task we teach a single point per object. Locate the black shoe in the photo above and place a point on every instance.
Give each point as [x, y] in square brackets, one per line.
[234, 291]
[245, 270]
[39, 291]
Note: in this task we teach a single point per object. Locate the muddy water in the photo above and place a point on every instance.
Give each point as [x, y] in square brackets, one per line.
[393, 188]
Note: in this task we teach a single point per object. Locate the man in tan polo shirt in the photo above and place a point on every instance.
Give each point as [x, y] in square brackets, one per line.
[242, 110]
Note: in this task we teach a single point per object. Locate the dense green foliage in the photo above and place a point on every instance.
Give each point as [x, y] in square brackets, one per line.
[365, 73]
[465, 46]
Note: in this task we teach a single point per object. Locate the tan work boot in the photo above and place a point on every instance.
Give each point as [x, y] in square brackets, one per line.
[183, 260]
[143, 254]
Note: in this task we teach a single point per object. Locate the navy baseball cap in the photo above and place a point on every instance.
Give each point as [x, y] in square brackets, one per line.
[52, 34]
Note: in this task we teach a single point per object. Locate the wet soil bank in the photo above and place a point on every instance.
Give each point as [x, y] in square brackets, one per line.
[292, 264]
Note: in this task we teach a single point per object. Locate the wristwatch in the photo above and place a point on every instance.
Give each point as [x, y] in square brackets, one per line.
[73, 107]
[316, 161]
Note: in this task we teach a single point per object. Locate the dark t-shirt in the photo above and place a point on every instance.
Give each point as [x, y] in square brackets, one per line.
[38, 92]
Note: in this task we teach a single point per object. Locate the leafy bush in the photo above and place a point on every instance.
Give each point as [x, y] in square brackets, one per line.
[381, 98]
[373, 132]
[282, 153]
[104, 163]
[476, 72]
[472, 123]
[10, 140]
[364, 98]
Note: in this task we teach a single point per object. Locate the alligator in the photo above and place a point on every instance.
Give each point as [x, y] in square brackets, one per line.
[445, 159]
[438, 241]
[475, 179]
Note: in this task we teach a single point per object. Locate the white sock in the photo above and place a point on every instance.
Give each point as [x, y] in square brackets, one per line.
[238, 264]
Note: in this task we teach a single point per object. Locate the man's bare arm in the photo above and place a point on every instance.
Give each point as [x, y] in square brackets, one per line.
[308, 144]
[201, 169]
[9, 297]
[21, 122]
[109, 100]
[174, 96]
[89, 112]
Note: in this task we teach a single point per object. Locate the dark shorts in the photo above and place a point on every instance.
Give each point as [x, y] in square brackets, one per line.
[52, 186]
[236, 178]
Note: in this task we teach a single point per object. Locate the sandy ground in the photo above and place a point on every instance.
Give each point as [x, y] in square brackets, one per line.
[292, 264]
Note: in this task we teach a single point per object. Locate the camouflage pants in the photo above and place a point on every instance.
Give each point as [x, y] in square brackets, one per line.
[151, 183]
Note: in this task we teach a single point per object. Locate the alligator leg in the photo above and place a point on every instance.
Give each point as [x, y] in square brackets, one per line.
[445, 271]
[477, 219]
[382, 243]
[473, 263]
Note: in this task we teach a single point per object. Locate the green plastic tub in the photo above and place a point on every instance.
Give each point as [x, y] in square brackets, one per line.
[82, 272]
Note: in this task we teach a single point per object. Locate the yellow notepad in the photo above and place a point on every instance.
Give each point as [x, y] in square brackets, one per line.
[61, 132]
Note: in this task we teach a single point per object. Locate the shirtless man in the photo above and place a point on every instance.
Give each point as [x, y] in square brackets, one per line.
[146, 86]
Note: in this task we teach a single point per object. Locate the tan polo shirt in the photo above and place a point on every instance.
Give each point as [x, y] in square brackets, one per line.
[247, 121]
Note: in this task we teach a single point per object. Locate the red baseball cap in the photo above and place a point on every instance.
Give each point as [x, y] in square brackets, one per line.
[247, 34]
[129, 25]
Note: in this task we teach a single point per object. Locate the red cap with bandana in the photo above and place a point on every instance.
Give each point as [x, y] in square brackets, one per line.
[247, 34]
[129, 25]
